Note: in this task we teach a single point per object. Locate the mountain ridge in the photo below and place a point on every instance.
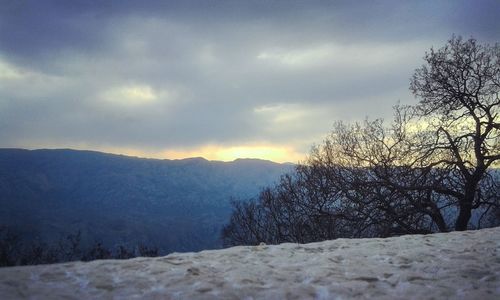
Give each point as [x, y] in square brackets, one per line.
[194, 158]
[178, 204]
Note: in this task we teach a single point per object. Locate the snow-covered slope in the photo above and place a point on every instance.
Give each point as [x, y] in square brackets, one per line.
[463, 265]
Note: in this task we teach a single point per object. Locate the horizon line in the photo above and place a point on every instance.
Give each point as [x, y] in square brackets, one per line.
[146, 157]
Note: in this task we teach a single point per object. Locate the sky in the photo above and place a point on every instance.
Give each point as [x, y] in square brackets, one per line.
[216, 79]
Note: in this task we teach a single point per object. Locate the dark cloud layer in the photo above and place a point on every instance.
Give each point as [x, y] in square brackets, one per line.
[183, 74]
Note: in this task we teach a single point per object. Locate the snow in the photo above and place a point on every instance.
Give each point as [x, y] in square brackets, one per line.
[458, 265]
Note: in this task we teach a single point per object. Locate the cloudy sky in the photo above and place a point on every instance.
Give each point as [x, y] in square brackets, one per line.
[218, 79]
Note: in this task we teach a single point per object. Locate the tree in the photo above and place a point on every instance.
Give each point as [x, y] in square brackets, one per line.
[459, 90]
[426, 172]
[375, 169]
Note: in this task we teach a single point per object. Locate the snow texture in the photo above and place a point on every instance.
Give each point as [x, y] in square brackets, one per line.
[457, 265]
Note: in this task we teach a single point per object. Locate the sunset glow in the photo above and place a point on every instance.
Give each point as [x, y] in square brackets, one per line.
[217, 79]
[211, 152]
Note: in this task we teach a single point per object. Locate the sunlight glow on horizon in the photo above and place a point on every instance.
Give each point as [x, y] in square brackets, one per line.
[279, 154]
[275, 153]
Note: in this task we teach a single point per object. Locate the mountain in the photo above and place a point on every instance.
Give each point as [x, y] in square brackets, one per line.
[175, 205]
[454, 265]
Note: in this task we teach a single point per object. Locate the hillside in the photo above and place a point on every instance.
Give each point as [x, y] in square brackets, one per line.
[176, 205]
[463, 265]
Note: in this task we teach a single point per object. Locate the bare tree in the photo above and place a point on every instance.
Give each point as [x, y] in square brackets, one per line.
[426, 172]
[459, 90]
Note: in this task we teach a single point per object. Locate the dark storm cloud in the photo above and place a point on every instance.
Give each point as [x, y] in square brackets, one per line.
[163, 74]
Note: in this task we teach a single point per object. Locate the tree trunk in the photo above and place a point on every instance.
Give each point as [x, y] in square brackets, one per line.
[463, 218]
[465, 209]
[439, 220]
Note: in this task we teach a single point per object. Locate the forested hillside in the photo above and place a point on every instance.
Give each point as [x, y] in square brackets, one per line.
[175, 205]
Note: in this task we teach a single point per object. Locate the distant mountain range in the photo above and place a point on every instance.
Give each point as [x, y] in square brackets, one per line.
[175, 205]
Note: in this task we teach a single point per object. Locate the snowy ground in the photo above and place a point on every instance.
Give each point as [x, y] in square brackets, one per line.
[453, 265]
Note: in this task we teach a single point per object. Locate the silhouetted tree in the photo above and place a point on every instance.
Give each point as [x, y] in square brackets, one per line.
[97, 252]
[70, 247]
[459, 90]
[426, 172]
[14, 251]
